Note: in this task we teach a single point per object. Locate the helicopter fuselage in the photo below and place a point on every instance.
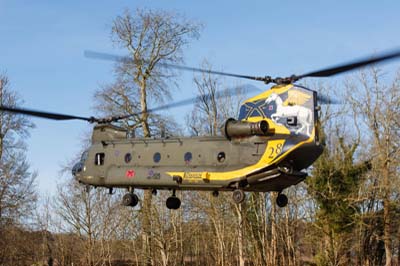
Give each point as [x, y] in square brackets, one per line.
[265, 150]
[199, 163]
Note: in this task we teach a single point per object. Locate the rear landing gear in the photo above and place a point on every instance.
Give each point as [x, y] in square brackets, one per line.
[238, 196]
[173, 202]
[281, 200]
[130, 199]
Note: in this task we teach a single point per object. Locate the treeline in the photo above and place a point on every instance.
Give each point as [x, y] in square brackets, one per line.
[346, 213]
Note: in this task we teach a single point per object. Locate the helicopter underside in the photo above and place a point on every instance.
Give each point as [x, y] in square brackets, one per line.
[272, 180]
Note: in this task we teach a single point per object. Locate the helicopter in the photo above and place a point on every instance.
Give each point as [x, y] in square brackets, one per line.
[268, 147]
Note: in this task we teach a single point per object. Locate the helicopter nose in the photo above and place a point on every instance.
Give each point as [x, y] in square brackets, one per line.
[77, 169]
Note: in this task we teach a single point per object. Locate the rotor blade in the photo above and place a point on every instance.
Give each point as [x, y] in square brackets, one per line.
[352, 65]
[105, 56]
[219, 94]
[47, 115]
[324, 99]
[117, 58]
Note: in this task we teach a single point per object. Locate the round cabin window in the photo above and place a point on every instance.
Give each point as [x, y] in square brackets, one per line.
[157, 157]
[188, 157]
[128, 157]
[221, 157]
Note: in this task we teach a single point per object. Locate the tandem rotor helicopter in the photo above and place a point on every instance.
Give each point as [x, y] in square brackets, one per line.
[267, 148]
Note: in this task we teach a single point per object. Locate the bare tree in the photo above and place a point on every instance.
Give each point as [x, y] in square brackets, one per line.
[213, 107]
[95, 217]
[205, 117]
[150, 38]
[377, 105]
[216, 103]
[17, 194]
[17, 187]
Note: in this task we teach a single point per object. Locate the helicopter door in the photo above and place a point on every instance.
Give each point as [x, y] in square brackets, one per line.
[99, 160]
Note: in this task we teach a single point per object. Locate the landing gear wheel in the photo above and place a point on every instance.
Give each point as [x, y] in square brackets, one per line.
[130, 199]
[281, 200]
[238, 196]
[173, 203]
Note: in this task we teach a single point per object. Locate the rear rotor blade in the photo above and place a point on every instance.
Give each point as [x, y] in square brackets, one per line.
[47, 115]
[324, 99]
[327, 72]
[219, 94]
[117, 58]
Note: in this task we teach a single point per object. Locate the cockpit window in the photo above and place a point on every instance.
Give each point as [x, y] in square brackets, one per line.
[84, 156]
[99, 158]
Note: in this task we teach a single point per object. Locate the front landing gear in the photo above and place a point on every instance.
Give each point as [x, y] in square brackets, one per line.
[173, 202]
[130, 199]
[281, 200]
[238, 196]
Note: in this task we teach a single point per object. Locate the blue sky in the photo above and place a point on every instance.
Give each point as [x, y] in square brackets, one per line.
[42, 44]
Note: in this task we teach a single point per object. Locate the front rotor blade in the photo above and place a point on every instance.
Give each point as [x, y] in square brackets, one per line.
[117, 58]
[47, 115]
[352, 65]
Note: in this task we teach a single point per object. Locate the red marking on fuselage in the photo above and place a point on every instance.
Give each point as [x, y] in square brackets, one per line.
[130, 173]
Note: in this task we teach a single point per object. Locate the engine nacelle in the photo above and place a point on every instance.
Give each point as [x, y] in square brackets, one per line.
[236, 129]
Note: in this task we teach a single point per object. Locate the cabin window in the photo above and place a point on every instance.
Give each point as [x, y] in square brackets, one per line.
[188, 157]
[99, 158]
[221, 157]
[128, 157]
[157, 157]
